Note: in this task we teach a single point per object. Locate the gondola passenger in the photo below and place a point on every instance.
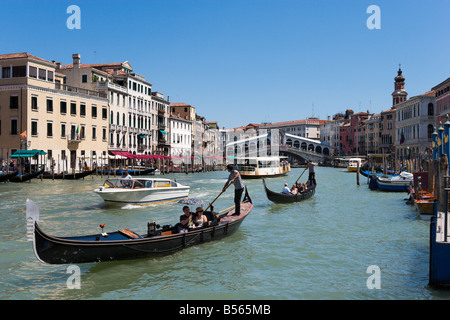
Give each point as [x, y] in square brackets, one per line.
[286, 189]
[185, 220]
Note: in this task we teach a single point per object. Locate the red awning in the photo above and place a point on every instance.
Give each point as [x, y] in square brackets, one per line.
[124, 154]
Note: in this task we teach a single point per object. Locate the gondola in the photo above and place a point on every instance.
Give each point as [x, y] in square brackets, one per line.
[6, 176]
[126, 244]
[68, 176]
[26, 176]
[279, 197]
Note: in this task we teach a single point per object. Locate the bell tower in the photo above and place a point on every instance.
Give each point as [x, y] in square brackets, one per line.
[399, 95]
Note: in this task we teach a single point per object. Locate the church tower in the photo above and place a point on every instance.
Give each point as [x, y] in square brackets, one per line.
[399, 95]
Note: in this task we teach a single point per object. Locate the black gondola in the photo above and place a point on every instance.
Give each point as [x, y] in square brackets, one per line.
[6, 176]
[279, 197]
[26, 176]
[68, 176]
[126, 244]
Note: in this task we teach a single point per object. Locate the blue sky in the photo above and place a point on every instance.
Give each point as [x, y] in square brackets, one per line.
[248, 60]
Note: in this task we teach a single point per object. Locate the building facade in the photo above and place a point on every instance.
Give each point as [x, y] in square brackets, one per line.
[40, 111]
[414, 125]
[442, 94]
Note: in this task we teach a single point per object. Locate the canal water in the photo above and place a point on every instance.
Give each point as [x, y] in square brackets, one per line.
[322, 248]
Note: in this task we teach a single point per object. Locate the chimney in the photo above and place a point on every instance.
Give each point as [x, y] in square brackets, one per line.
[168, 98]
[58, 65]
[76, 60]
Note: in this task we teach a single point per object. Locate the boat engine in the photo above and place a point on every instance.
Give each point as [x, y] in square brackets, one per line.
[151, 228]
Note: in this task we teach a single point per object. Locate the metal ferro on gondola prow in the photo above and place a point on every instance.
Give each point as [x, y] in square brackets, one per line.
[440, 139]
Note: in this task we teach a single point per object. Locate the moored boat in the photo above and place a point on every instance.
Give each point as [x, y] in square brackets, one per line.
[141, 191]
[68, 176]
[26, 176]
[400, 183]
[279, 197]
[6, 176]
[126, 244]
[353, 164]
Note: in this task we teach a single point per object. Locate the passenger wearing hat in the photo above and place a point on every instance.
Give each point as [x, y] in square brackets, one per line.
[200, 219]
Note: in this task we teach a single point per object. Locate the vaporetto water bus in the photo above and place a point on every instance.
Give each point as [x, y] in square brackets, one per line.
[263, 167]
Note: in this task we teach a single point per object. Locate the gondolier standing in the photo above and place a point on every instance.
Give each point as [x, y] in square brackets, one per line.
[312, 174]
[235, 178]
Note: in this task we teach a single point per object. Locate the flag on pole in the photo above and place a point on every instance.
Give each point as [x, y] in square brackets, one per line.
[78, 133]
[23, 135]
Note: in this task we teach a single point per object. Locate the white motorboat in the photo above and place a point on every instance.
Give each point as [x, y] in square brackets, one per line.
[353, 164]
[141, 191]
[402, 182]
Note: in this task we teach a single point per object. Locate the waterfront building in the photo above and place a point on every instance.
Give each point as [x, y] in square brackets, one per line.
[373, 136]
[180, 138]
[39, 110]
[352, 136]
[138, 116]
[414, 125]
[308, 128]
[330, 132]
[442, 95]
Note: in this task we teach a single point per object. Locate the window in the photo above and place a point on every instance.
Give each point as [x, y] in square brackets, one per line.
[73, 108]
[34, 103]
[84, 78]
[94, 111]
[14, 102]
[20, 71]
[49, 129]
[63, 107]
[104, 113]
[50, 76]
[49, 105]
[83, 132]
[13, 126]
[42, 74]
[82, 110]
[6, 73]
[94, 133]
[104, 133]
[32, 72]
[63, 130]
[430, 109]
[34, 127]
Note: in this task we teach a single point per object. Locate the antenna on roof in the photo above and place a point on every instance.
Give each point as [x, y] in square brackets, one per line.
[313, 109]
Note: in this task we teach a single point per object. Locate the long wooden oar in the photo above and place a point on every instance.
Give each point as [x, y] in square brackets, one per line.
[301, 174]
[217, 197]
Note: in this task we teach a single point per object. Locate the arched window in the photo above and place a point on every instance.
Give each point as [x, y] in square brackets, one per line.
[430, 131]
[296, 144]
[430, 109]
[289, 142]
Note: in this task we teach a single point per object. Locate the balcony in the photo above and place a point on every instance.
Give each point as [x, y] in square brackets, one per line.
[112, 127]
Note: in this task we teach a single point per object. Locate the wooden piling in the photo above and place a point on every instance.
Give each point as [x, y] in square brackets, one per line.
[357, 173]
